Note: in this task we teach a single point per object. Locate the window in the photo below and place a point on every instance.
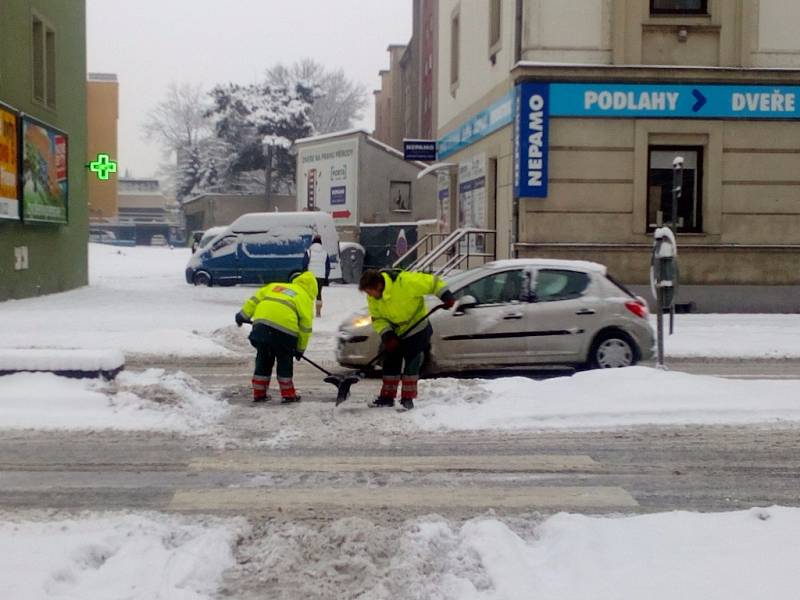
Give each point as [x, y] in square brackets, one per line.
[678, 7]
[455, 44]
[223, 243]
[400, 196]
[44, 62]
[659, 188]
[556, 284]
[499, 288]
[495, 20]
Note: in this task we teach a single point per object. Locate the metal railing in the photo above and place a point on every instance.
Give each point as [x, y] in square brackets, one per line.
[461, 249]
[419, 250]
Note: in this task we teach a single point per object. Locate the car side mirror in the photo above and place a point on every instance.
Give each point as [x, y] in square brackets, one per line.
[463, 304]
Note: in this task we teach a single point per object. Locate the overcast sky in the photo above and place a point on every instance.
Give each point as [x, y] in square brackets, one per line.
[150, 43]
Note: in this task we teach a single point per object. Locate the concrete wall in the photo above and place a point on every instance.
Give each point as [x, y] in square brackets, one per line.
[377, 168]
[102, 110]
[214, 210]
[477, 73]
[57, 253]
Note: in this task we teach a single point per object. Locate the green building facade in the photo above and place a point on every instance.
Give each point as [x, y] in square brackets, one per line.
[43, 81]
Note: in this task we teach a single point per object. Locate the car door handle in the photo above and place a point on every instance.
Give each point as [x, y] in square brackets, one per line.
[511, 316]
[585, 311]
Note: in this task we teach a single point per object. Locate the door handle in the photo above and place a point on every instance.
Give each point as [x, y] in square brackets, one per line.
[585, 311]
[511, 316]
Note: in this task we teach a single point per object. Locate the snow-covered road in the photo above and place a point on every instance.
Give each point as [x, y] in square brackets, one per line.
[138, 302]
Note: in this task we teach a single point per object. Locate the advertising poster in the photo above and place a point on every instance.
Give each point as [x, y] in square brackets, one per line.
[44, 173]
[472, 197]
[327, 180]
[443, 205]
[9, 202]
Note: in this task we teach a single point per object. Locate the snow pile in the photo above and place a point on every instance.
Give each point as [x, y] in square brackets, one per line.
[137, 557]
[745, 554]
[17, 359]
[150, 400]
[604, 398]
[691, 556]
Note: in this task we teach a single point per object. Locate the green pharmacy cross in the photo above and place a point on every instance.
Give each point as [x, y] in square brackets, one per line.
[103, 166]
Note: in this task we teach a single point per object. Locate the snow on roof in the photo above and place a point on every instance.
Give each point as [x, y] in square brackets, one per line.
[576, 265]
[328, 136]
[370, 139]
[253, 222]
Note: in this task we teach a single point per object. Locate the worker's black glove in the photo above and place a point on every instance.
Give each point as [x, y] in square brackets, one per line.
[448, 300]
[241, 319]
[298, 354]
[390, 341]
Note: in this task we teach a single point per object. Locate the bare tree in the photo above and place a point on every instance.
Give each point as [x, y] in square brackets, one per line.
[339, 102]
[180, 126]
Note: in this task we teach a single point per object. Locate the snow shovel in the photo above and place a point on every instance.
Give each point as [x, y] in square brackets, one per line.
[356, 376]
[342, 382]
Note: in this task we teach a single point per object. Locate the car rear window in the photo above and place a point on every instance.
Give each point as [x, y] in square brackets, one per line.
[620, 286]
[559, 284]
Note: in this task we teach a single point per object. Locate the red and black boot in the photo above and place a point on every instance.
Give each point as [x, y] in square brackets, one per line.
[388, 392]
[288, 393]
[260, 387]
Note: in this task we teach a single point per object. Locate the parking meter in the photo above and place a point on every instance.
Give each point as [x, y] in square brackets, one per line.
[664, 281]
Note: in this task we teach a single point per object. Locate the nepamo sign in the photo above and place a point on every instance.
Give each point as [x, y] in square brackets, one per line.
[531, 134]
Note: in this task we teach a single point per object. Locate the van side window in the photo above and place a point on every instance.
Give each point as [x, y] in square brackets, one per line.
[226, 241]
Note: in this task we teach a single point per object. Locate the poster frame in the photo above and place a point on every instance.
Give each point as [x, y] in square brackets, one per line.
[39, 122]
[18, 126]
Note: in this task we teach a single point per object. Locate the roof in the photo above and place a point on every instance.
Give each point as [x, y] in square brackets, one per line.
[369, 138]
[553, 263]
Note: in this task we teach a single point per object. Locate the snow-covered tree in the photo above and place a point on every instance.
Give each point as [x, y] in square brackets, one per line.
[339, 103]
[249, 117]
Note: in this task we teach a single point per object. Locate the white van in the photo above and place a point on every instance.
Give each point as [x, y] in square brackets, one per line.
[263, 247]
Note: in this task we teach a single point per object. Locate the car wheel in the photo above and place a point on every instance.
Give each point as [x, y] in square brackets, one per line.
[202, 278]
[613, 350]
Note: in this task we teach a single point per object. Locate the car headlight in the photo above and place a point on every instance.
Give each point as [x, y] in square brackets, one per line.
[361, 320]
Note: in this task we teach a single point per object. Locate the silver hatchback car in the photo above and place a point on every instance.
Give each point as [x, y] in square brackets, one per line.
[524, 313]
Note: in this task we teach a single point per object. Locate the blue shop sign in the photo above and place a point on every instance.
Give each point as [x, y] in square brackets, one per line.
[683, 101]
[496, 116]
[531, 140]
[419, 150]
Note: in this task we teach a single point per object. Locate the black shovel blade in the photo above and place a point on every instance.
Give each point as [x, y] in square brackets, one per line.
[344, 387]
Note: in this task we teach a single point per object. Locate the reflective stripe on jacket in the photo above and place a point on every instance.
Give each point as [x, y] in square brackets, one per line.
[287, 307]
[402, 303]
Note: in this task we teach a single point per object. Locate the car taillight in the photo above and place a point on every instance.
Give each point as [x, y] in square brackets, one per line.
[637, 307]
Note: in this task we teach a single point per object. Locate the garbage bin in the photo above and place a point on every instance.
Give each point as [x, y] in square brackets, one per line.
[352, 256]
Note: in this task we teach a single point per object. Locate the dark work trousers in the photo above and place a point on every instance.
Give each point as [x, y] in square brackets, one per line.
[273, 346]
[408, 359]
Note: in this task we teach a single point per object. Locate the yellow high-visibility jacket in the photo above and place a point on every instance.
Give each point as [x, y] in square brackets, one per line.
[287, 307]
[403, 301]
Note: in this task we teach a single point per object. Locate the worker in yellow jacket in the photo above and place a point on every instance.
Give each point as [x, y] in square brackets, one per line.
[281, 314]
[396, 301]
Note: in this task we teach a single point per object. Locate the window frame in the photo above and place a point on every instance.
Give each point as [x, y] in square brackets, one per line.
[575, 296]
[525, 292]
[495, 29]
[672, 12]
[699, 229]
[455, 49]
[44, 51]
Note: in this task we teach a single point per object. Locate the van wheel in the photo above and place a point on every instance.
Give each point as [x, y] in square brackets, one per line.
[202, 278]
[613, 350]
